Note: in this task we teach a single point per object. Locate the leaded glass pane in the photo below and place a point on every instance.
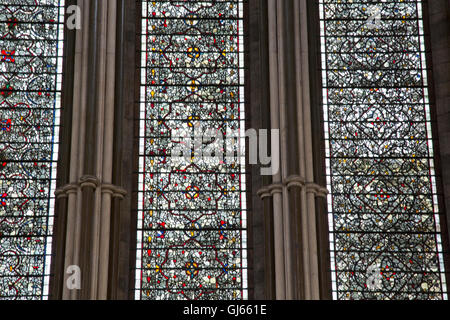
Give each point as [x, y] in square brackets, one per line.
[31, 45]
[192, 214]
[384, 213]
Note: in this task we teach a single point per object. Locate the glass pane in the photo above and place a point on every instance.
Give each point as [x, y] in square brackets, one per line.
[383, 208]
[192, 214]
[31, 45]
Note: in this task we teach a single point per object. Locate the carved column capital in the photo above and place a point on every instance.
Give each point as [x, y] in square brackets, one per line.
[91, 182]
[270, 190]
[318, 190]
[64, 191]
[115, 191]
[293, 181]
[88, 181]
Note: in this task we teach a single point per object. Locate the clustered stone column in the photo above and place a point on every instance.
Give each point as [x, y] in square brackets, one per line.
[85, 201]
[293, 190]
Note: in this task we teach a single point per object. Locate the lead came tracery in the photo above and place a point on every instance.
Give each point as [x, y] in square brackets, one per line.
[31, 43]
[192, 218]
[384, 213]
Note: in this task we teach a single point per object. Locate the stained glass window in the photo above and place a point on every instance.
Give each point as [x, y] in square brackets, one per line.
[383, 207]
[192, 211]
[31, 44]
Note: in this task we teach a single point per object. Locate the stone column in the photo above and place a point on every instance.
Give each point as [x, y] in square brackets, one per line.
[294, 190]
[90, 191]
[276, 193]
[437, 26]
[126, 149]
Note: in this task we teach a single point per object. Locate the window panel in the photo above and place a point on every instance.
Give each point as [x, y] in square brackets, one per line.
[383, 208]
[192, 213]
[31, 45]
